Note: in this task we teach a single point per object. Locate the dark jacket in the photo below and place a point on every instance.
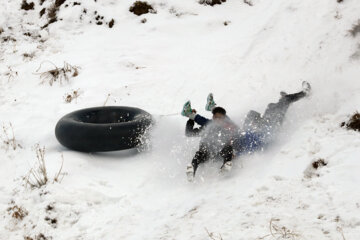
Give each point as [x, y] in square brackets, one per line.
[190, 131]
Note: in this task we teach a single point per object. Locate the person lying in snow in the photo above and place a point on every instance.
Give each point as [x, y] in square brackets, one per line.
[220, 137]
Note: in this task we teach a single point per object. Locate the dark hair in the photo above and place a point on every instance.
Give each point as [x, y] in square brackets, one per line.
[218, 110]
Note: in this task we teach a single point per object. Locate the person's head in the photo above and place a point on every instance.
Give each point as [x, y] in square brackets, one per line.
[219, 113]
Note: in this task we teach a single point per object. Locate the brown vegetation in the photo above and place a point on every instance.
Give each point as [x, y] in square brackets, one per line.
[58, 74]
[211, 2]
[353, 123]
[69, 97]
[140, 8]
[17, 212]
[38, 175]
[27, 6]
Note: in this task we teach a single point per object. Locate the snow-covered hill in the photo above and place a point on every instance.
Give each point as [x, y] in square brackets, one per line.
[245, 55]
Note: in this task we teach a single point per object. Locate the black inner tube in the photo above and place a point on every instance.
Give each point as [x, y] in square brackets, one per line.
[104, 116]
[103, 129]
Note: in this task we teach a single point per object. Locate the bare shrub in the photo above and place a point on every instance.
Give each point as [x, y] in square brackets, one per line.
[38, 175]
[280, 232]
[9, 139]
[355, 30]
[353, 123]
[17, 212]
[211, 2]
[73, 95]
[27, 6]
[58, 74]
[140, 8]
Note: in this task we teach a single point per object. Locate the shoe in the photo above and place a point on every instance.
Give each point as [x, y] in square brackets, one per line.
[187, 111]
[210, 103]
[306, 87]
[227, 166]
[190, 173]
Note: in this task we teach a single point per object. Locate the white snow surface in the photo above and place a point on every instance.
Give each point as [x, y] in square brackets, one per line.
[184, 51]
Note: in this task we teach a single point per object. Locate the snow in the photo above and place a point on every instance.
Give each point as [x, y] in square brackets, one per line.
[158, 65]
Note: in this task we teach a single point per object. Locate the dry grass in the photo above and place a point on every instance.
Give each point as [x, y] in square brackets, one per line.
[213, 236]
[106, 100]
[339, 229]
[280, 232]
[38, 175]
[73, 95]
[58, 74]
[9, 139]
[11, 74]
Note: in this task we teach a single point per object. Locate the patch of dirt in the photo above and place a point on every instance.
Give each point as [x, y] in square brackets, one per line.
[140, 8]
[42, 12]
[211, 2]
[40, 236]
[312, 169]
[52, 12]
[319, 163]
[353, 123]
[27, 6]
[51, 221]
[355, 30]
[111, 23]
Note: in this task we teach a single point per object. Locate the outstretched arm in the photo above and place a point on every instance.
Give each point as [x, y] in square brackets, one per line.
[201, 120]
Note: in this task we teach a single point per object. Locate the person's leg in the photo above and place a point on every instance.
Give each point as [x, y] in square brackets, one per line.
[201, 156]
[227, 153]
[275, 112]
